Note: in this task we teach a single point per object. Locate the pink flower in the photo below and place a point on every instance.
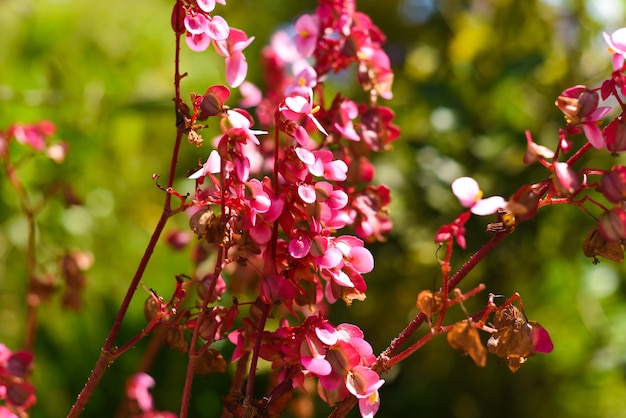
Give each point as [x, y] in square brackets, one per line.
[137, 389]
[33, 135]
[201, 30]
[617, 46]
[240, 123]
[307, 30]
[468, 192]
[348, 111]
[456, 229]
[251, 95]
[580, 106]
[294, 108]
[231, 48]
[364, 383]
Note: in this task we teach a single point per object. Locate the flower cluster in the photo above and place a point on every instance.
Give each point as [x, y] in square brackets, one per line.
[203, 28]
[17, 393]
[273, 199]
[338, 357]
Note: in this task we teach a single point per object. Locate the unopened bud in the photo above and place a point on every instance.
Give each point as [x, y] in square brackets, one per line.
[524, 203]
[577, 102]
[615, 135]
[564, 179]
[613, 184]
[612, 225]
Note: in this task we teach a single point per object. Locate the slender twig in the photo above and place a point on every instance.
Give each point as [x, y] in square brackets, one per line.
[107, 353]
[347, 404]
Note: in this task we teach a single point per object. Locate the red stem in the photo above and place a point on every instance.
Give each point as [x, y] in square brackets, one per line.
[347, 404]
[107, 353]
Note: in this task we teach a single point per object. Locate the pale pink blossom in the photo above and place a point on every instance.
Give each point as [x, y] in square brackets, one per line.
[468, 192]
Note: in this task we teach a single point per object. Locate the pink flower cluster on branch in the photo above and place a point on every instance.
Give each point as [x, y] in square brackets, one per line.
[274, 199]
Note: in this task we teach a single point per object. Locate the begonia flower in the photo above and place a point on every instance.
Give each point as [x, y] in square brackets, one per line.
[580, 106]
[137, 389]
[468, 192]
[307, 29]
[231, 48]
[617, 46]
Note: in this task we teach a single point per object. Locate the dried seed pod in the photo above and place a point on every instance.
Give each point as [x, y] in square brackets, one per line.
[210, 361]
[595, 245]
[175, 338]
[463, 336]
[517, 339]
[207, 225]
[430, 303]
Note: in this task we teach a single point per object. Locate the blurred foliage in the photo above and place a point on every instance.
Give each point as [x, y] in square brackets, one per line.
[471, 76]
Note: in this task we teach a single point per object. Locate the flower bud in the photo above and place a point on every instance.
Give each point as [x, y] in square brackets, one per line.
[577, 102]
[612, 225]
[523, 204]
[613, 184]
[564, 179]
[615, 135]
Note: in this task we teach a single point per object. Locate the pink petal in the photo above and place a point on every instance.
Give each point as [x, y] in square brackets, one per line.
[212, 165]
[307, 29]
[363, 381]
[617, 40]
[327, 334]
[594, 135]
[466, 190]
[541, 339]
[198, 42]
[307, 193]
[336, 170]
[598, 113]
[206, 5]
[299, 248]
[298, 106]
[195, 24]
[218, 29]
[488, 206]
[319, 366]
[361, 259]
[332, 257]
[306, 156]
[236, 69]
[318, 124]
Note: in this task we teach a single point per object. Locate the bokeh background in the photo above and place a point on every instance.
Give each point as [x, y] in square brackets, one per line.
[471, 77]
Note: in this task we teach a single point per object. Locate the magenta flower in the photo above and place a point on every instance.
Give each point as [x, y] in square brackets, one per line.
[617, 45]
[468, 192]
[231, 48]
[580, 106]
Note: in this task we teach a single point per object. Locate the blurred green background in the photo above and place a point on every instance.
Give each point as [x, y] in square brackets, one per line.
[471, 76]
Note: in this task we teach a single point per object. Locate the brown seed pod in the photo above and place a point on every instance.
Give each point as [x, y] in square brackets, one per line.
[210, 361]
[430, 303]
[594, 245]
[463, 336]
